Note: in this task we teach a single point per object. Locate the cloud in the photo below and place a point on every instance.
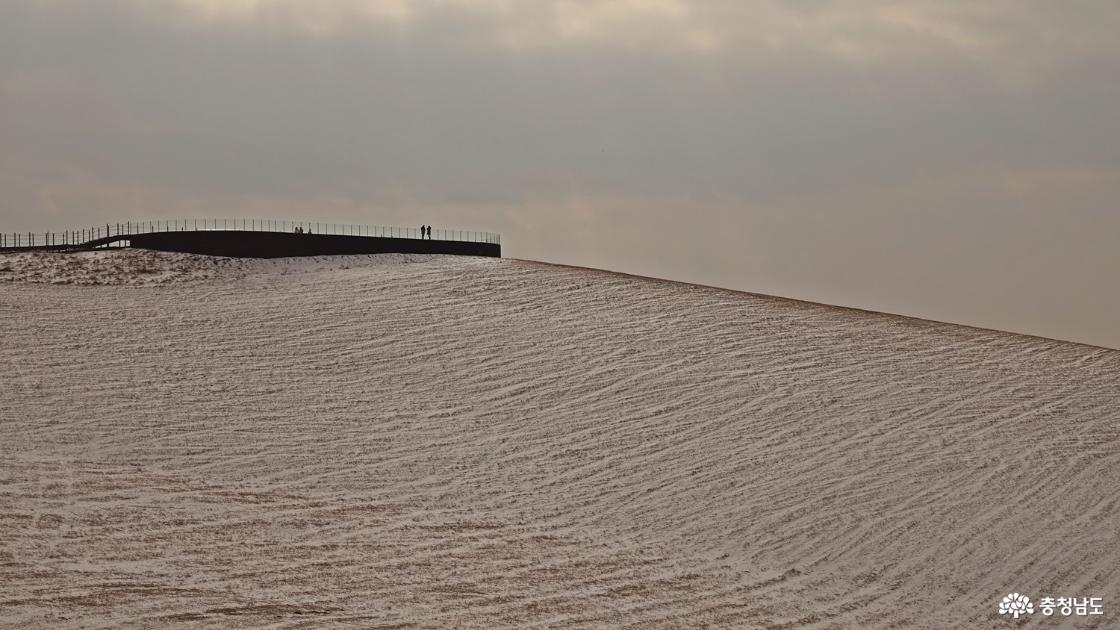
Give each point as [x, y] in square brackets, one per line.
[402, 102]
[1012, 36]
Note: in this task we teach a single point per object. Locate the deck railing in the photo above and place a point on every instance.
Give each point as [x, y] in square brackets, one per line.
[76, 238]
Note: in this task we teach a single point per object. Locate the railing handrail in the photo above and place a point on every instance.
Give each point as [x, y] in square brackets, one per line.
[78, 238]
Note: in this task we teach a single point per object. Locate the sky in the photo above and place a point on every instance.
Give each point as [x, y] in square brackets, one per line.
[951, 160]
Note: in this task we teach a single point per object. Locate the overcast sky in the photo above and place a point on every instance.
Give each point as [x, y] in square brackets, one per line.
[951, 160]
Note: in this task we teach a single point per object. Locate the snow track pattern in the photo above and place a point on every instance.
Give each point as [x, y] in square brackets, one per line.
[456, 442]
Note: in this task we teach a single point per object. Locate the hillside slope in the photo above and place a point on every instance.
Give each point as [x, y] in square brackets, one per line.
[434, 442]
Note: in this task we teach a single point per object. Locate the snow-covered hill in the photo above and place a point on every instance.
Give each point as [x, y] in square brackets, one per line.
[436, 442]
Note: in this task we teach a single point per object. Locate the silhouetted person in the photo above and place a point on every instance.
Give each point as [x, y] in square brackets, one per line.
[429, 232]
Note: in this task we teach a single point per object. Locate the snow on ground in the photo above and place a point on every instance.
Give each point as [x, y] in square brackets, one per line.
[141, 268]
[464, 442]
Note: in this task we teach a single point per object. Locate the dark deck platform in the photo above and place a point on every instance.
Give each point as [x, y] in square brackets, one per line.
[239, 244]
[265, 243]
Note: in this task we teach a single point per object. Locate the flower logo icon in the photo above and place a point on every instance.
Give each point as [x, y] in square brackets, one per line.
[1015, 604]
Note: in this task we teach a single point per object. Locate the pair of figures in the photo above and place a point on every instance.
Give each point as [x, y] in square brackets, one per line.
[426, 232]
